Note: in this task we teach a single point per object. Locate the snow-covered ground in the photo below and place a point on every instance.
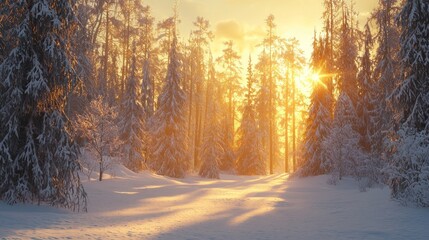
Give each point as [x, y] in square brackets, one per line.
[147, 206]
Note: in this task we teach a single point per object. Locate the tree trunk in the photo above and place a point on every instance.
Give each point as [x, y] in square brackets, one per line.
[106, 52]
[294, 121]
[271, 108]
[286, 125]
[100, 177]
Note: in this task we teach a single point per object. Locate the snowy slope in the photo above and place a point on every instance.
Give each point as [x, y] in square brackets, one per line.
[147, 206]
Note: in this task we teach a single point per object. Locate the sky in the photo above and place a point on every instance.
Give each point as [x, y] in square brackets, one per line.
[244, 20]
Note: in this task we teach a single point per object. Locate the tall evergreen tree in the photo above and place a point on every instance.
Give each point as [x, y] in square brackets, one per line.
[366, 95]
[148, 82]
[132, 124]
[409, 173]
[386, 71]
[170, 154]
[270, 44]
[262, 101]
[200, 38]
[347, 69]
[367, 113]
[231, 74]
[148, 89]
[38, 158]
[294, 60]
[250, 154]
[319, 120]
[412, 92]
[212, 150]
[343, 151]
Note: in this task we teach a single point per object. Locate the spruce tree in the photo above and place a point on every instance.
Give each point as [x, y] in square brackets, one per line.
[38, 157]
[148, 90]
[250, 154]
[343, 151]
[385, 72]
[262, 101]
[366, 95]
[319, 120]
[347, 69]
[409, 173]
[132, 122]
[148, 82]
[170, 156]
[367, 115]
[212, 150]
[231, 73]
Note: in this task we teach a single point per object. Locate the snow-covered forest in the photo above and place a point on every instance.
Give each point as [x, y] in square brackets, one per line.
[88, 87]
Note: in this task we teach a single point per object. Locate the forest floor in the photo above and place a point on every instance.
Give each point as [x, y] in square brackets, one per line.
[147, 206]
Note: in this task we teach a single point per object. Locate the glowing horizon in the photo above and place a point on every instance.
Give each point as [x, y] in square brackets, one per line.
[243, 21]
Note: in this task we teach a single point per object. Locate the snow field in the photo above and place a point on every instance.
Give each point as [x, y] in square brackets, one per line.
[147, 206]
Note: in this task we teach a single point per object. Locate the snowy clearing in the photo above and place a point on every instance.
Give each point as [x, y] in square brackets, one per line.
[147, 206]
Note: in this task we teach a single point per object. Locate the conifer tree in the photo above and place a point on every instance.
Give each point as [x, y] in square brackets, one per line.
[250, 154]
[148, 83]
[212, 150]
[342, 145]
[148, 90]
[271, 47]
[200, 39]
[412, 92]
[367, 113]
[262, 101]
[132, 122]
[366, 95]
[385, 72]
[409, 171]
[38, 157]
[347, 69]
[318, 125]
[231, 73]
[170, 156]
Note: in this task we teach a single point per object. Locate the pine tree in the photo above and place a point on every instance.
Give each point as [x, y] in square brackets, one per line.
[8, 19]
[409, 173]
[250, 154]
[370, 169]
[148, 83]
[148, 90]
[170, 154]
[231, 73]
[200, 39]
[347, 69]
[212, 150]
[270, 44]
[412, 93]
[262, 101]
[366, 95]
[294, 60]
[342, 145]
[132, 122]
[408, 170]
[228, 157]
[318, 125]
[38, 158]
[343, 151]
[385, 72]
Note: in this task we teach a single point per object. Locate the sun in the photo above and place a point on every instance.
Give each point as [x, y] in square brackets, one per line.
[314, 77]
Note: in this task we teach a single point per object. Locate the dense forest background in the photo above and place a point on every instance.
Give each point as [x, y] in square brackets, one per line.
[107, 76]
